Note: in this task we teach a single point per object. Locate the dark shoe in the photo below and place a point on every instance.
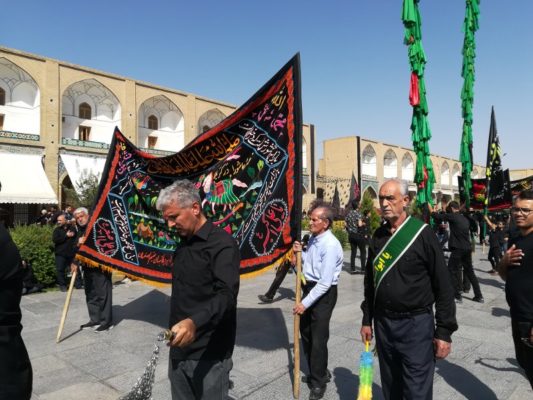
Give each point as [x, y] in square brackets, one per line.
[317, 393]
[104, 328]
[305, 379]
[478, 299]
[459, 300]
[353, 272]
[88, 325]
[63, 288]
[265, 299]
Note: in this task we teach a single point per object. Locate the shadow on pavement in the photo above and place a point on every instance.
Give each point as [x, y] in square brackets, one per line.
[464, 381]
[497, 283]
[487, 362]
[264, 329]
[153, 307]
[347, 385]
[500, 312]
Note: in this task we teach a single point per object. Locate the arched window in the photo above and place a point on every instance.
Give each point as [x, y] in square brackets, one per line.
[369, 161]
[445, 174]
[2, 97]
[152, 123]
[390, 165]
[85, 111]
[407, 167]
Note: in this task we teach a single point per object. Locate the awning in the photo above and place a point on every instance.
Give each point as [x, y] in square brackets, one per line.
[23, 180]
[79, 166]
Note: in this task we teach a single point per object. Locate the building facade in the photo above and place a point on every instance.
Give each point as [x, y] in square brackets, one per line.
[373, 162]
[57, 121]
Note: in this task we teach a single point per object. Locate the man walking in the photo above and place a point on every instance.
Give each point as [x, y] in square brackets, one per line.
[461, 251]
[203, 303]
[516, 268]
[322, 265]
[98, 284]
[355, 225]
[406, 276]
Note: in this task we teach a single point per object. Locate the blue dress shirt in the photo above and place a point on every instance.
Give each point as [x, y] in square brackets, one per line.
[322, 263]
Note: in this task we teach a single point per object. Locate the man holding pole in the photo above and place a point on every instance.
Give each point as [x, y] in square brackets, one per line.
[322, 265]
[98, 285]
[406, 275]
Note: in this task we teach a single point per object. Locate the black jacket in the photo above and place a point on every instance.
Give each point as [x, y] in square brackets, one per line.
[63, 245]
[15, 366]
[419, 279]
[459, 229]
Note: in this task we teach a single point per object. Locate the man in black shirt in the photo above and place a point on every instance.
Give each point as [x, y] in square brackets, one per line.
[408, 336]
[203, 304]
[496, 243]
[64, 242]
[98, 283]
[461, 251]
[516, 268]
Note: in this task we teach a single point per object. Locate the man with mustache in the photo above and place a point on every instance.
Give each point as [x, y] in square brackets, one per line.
[405, 275]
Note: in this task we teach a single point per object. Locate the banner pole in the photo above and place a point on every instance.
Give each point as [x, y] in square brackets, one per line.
[296, 374]
[67, 304]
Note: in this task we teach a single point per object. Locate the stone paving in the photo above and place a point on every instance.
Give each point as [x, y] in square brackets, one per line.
[90, 366]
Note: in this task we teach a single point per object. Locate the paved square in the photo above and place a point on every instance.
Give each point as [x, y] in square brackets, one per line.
[90, 366]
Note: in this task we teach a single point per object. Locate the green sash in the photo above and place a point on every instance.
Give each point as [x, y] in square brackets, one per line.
[395, 247]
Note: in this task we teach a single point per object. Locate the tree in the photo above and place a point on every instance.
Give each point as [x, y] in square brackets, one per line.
[87, 192]
[367, 205]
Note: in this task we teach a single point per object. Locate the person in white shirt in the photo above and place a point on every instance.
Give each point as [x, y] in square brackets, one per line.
[322, 265]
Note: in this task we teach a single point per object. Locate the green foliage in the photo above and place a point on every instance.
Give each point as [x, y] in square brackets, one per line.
[414, 210]
[367, 204]
[339, 230]
[305, 224]
[88, 184]
[35, 245]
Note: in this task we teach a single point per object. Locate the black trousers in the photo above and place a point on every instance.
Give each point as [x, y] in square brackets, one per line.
[99, 295]
[62, 266]
[523, 351]
[314, 328]
[357, 242]
[495, 254]
[280, 276]
[199, 379]
[406, 356]
[463, 258]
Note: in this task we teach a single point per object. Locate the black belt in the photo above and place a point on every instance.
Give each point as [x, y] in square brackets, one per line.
[398, 315]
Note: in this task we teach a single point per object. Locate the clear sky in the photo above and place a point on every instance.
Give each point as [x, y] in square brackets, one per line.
[355, 73]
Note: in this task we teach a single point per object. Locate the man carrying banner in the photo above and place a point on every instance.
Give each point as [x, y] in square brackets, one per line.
[97, 283]
[406, 275]
[203, 304]
[322, 265]
[516, 268]
[461, 250]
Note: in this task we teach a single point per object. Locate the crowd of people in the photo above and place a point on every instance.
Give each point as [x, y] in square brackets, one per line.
[410, 291]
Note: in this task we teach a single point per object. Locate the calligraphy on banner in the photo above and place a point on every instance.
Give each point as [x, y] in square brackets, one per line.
[247, 170]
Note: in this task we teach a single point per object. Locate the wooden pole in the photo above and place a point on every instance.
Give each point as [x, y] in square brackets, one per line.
[67, 304]
[296, 383]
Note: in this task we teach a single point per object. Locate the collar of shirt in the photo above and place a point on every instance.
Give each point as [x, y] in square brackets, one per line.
[203, 232]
